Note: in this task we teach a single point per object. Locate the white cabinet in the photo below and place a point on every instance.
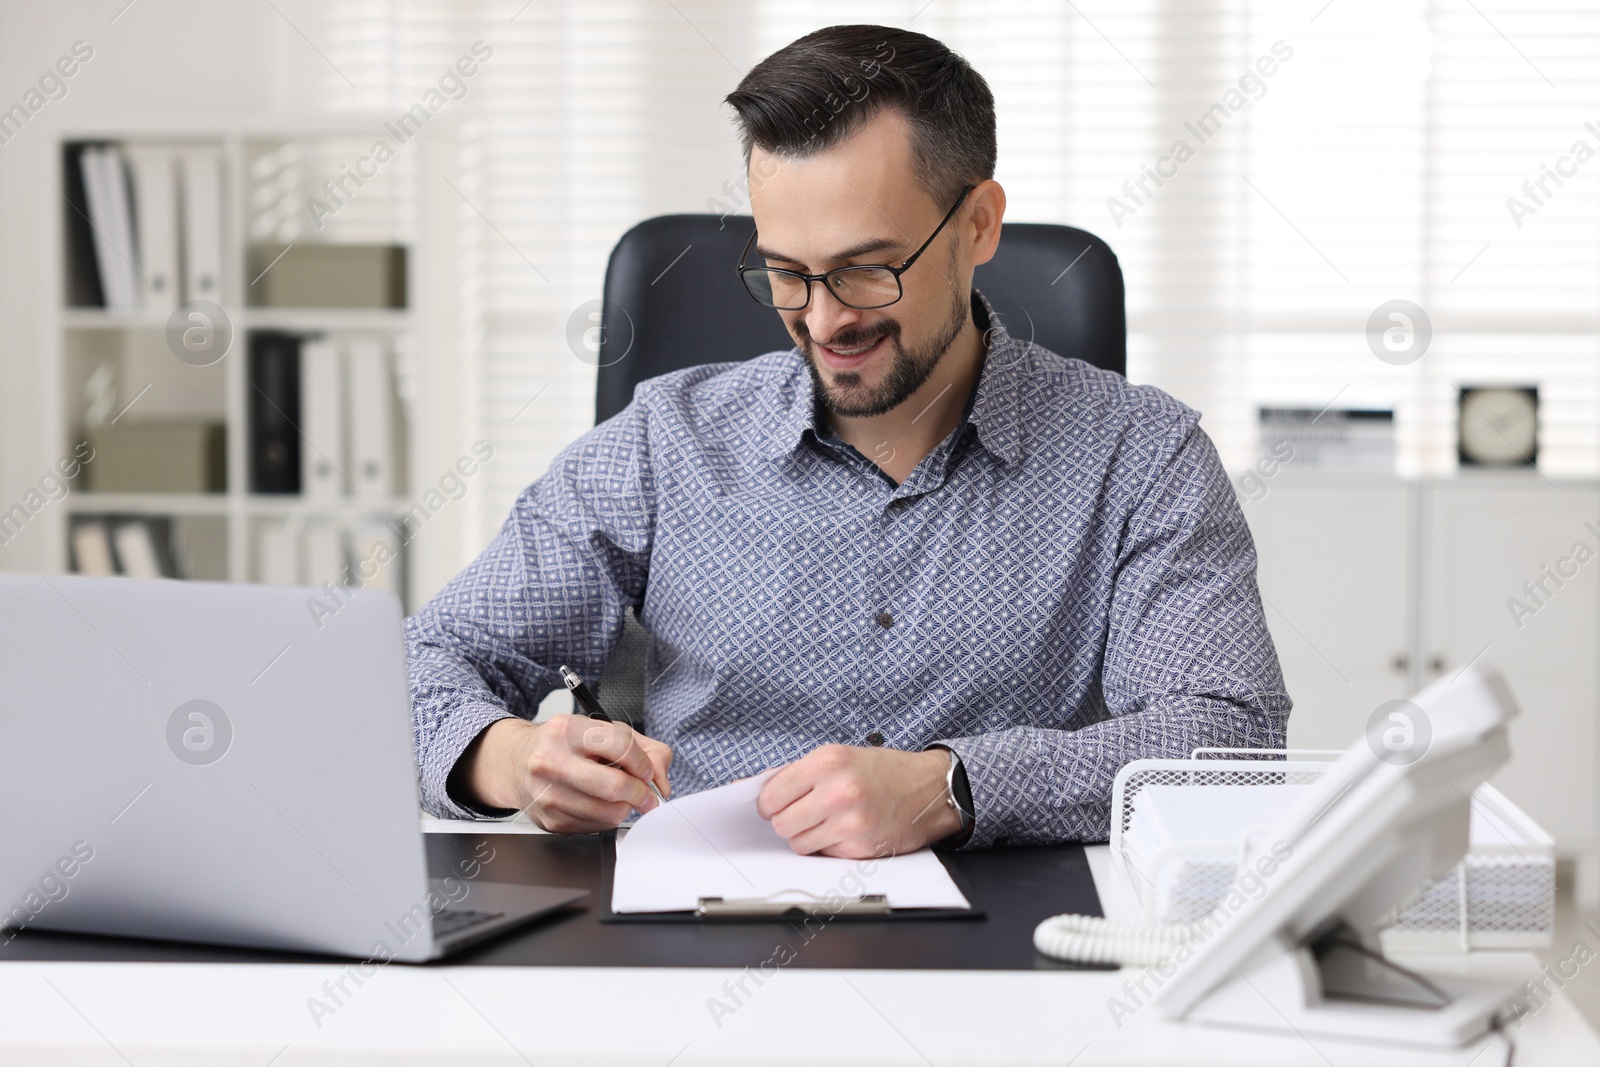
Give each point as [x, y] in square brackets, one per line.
[1486, 548]
[1376, 586]
[1336, 581]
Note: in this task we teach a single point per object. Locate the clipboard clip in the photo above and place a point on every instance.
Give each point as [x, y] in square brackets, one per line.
[791, 901]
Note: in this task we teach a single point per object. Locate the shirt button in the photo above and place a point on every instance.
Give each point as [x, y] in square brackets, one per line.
[885, 620]
[875, 739]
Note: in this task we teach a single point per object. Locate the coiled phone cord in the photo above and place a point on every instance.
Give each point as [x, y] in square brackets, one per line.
[1091, 939]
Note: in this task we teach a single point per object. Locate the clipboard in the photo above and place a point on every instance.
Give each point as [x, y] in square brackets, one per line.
[782, 908]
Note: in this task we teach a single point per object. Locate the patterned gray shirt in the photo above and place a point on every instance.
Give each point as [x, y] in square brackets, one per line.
[1064, 584]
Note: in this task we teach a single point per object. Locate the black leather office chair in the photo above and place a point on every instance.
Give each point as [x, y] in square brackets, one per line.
[673, 300]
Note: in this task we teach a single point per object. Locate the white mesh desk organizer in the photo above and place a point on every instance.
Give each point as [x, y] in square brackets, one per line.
[1179, 826]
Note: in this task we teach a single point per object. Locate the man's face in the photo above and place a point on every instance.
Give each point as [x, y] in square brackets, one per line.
[858, 203]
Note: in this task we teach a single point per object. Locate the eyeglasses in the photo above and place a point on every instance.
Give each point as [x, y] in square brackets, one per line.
[861, 287]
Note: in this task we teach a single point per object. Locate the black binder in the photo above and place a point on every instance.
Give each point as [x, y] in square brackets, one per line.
[274, 406]
[784, 910]
[83, 272]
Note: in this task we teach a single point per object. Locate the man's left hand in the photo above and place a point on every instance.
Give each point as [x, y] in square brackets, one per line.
[859, 803]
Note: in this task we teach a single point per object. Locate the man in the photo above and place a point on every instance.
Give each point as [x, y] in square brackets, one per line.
[946, 581]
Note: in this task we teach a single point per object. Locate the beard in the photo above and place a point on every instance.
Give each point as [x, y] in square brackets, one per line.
[847, 393]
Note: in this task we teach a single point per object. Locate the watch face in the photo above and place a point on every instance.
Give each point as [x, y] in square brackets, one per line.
[1499, 426]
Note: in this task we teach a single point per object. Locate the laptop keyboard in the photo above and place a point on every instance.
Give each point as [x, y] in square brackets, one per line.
[454, 920]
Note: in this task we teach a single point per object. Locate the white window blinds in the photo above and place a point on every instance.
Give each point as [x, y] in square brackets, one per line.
[1338, 157]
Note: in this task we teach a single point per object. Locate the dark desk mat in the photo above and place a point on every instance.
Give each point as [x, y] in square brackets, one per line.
[1016, 886]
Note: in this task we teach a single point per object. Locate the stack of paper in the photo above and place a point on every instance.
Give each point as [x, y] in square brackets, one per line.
[716, 844]
[1183, 842]
[1214, 814]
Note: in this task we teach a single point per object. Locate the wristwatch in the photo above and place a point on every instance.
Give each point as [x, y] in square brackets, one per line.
[958, 794]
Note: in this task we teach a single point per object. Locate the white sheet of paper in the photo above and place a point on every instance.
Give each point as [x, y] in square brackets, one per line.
[715, 844]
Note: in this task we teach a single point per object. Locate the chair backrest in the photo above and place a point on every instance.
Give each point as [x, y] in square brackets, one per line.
[673, 300]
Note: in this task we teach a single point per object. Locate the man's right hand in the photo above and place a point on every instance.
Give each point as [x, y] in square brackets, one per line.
[571, 774]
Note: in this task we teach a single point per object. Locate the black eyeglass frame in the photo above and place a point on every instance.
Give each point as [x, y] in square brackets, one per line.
[900, 289]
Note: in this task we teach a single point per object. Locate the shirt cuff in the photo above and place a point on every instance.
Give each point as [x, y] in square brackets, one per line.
[994, 765]
[463, 726]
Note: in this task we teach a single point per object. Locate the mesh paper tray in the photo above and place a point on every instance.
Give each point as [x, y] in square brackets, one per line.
[1501, 895]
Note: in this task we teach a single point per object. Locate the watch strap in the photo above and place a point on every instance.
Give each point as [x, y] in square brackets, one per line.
[958, 794]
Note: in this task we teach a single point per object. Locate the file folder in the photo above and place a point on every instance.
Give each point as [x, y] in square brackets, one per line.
[325, 471]
[371, 409]
[155, 188]
[202, 229]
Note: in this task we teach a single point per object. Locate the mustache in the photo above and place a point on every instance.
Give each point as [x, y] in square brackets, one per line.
[853, 338]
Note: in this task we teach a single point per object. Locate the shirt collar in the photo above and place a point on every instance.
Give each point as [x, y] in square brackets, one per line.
[992, 408]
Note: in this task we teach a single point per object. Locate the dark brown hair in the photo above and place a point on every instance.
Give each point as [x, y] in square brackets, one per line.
[814, 93]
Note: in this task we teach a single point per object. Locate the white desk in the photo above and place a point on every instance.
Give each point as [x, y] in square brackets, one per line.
[257, 1015]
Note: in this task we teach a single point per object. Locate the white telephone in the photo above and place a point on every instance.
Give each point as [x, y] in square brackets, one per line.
[1364, 838]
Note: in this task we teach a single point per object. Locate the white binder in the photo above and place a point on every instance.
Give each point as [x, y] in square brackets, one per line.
[372, 418]
[376, 552]
[325, 557]
[136, 550]
[275, 553]
[111, 222]
[91, 545]
[325, 471]
[155, 194]
[202, 224]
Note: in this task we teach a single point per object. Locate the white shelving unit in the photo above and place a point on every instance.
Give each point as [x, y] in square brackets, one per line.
[267, 175]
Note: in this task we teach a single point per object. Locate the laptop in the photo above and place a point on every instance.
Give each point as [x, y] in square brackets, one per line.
[223, 763]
